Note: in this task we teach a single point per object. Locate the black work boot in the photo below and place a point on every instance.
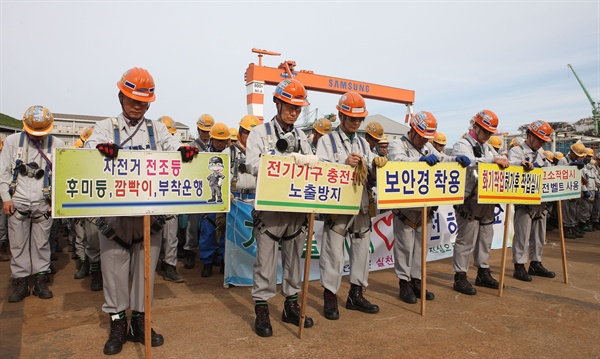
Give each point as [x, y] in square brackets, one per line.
[190, 260]
[96, 272]
[40, 286]
[356, 301]
[118, 334]
[407, 293]
[172, 275]
[520, 273]
[536, 268]
[416, 285]
[21, 289]
[291, 314]
[84, 269]
[569, 233]
[206, 270]
[485, 279]
[4, 251]
[578, 232]
[330, 306]
[462, 285]
[136, 331]
[262, 323]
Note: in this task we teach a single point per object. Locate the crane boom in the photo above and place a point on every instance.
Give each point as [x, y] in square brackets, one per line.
[257, 76]
[594, 106]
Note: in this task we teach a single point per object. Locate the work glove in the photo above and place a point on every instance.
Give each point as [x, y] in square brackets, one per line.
[430, 159]
[463, 160]
[187, 153]
[586, 194]
[110, 150]
[579, 164]
[312, 160]
[300, 159]
[360, 173]
[527, 166]
[379, 161]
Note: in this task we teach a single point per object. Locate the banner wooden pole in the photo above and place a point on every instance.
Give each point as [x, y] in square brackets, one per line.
[147, 293]
[423, 259]
[311, 223]
[562, 242]
[504, 247]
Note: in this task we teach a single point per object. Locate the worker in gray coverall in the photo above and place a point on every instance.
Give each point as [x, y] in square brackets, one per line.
[274, 229]
[530, 220]
[121, 238]
[475, 221]
[25, 180]
[344, 146]
[408, 234]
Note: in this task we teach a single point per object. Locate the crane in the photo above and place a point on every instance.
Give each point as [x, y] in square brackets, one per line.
[594, 105]
[257, 76]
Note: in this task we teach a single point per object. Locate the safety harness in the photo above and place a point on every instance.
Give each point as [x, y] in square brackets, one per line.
[159, 221]
[46, 187]
[271, 140]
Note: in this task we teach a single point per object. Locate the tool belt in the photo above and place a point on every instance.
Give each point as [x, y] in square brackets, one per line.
[411, 224]
[109, 232]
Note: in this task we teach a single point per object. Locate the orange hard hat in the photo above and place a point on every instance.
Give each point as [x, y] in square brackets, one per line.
[220, 131]
[352, 104]
[322, 126]
[38, 121]
[137, 84]
[541, 129]
[375, 130]
[205, 122]
[291, 91]
[86, 133]
[169, 123]
[495, 142]
[487, 119]
[248, 122]
[424, 123]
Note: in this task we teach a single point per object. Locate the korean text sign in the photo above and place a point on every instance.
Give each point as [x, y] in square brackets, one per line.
[511, 185]
[416, 184]
[326, 188]
[561, 182]
[87, 184]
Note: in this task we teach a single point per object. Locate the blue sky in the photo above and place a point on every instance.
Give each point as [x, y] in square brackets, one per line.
[459, 57]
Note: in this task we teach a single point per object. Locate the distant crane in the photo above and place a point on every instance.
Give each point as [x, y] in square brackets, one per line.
[594, 105]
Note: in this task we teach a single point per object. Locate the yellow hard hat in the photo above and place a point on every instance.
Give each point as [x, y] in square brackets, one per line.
[517, 141]
[384, 140]
[375, 130]
[86, 133]
[78, 143]
[495, 142]
[440, 139]
[590, 152]
[220, 131]
[322, 126]
[248, 122]
[205, 122]
[559, 155]
[549, 155]
[233, 133]
[38, 121]
[578, 149]
[1, 143]
[169, 123]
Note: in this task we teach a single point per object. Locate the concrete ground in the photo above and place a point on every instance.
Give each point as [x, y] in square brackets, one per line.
[545, 318]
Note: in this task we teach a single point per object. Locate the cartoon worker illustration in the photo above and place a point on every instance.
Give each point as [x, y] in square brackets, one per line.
[215, 179]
